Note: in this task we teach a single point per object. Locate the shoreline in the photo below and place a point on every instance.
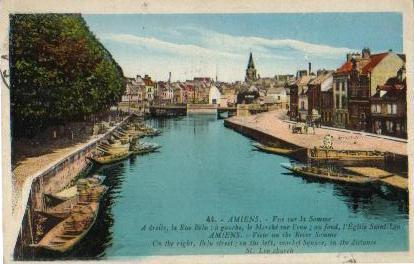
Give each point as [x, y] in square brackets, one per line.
[269, 127]
[23, 195]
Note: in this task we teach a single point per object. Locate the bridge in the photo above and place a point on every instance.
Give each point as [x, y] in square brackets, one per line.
[171, 110]
[184, 109]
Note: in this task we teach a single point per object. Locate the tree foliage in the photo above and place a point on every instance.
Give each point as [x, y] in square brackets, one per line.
[59, 71]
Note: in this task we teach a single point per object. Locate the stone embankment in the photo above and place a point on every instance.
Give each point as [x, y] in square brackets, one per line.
[273, 125]
[47, 173]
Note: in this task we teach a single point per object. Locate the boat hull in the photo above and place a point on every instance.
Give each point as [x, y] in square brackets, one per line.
[65, 247]
[273, 150]
[109, 160]
[344, 179]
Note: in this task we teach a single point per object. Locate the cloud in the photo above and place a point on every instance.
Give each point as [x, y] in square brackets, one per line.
[189, 52]
[151, 43]
[267, 46]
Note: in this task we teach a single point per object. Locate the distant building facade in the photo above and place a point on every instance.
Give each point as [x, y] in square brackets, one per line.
[388, 107]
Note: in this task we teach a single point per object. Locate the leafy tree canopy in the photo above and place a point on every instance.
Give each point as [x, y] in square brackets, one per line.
[59, 71]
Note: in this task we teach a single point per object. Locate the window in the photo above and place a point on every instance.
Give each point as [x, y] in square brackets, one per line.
[344, 101]
[376, 108]
[302, 105]
[390, 126]
[394, 109]
[337, 102]
[388, 108]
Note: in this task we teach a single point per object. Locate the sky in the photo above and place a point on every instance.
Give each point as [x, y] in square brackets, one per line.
[206, 45]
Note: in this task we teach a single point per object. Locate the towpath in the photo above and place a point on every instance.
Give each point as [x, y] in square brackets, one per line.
[273, 123]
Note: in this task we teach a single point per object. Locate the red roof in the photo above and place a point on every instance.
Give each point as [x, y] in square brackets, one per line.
[346, 67]
[374, 60]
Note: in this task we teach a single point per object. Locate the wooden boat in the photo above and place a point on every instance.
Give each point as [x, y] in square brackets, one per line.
[111, 151]
[110, 158]
[141, 149]
[65, 235]
[87, 190]
[326, 175]
[344, 155]
[153, 133]
[71, 191]
[273, 150]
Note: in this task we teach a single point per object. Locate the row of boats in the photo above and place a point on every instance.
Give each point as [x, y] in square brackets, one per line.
[77, 211]
[76, 207]
[125, 142]
[327, 156]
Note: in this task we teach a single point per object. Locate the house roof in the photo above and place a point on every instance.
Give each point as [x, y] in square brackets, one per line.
[363, 65]
[320, 79]
[304, 80]
[391, 90]
[402, 56]
[375, 59]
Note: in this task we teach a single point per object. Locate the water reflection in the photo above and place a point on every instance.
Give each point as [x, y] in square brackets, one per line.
[204, 169]
[371, 200]
[100, 237]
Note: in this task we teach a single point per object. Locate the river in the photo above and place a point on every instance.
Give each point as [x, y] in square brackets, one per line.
[205, 169]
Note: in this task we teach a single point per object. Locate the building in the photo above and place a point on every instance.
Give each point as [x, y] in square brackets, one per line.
[251, 73]
[326, 102]
[293, 100]
[303, 104]
[356, 81]
[214, 95]
[388, 107]
[322, 83]
[149, 90]
[277, 96]
[134, 90]
[167, 93]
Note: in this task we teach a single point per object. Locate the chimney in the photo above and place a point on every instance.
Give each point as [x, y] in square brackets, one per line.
[310, 68]
[366, 53]
[354, 64]
[348, 57]
[401, 74]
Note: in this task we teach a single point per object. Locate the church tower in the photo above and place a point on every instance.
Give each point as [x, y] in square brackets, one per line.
[250, 71]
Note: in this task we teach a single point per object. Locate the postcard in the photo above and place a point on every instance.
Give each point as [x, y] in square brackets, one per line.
[195, 132]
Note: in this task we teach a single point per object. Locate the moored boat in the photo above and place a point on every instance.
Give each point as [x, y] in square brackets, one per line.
[273, 150]
[325, 174]
[144, 148]
[79, 219]
[65, 235]
[86, 191]
[110, 158]
[72, 191]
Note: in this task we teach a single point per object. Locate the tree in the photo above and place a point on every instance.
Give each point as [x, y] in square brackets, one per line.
[59, 71]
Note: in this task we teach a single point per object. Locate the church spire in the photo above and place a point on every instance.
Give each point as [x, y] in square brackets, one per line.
[250, 71]
[251, 62]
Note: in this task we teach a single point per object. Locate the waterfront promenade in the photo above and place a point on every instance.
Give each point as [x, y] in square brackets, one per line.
[273, 124]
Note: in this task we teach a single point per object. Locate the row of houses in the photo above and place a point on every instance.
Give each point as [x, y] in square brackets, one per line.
[366, 93]
[144, 91]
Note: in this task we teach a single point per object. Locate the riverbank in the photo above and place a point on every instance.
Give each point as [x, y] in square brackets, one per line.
[48, 173]
[272, 128]
[272, 124]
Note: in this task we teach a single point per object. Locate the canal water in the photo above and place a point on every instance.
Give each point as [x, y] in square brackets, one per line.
[205, 169]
